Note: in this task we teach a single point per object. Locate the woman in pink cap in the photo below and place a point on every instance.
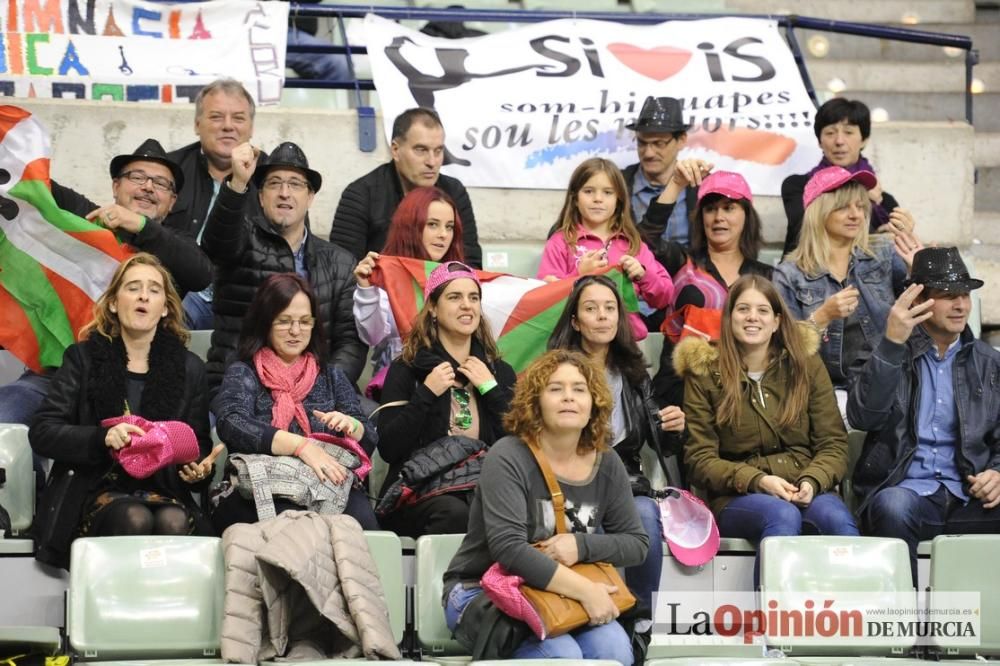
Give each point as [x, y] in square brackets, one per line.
[840, 278]
[725, 240]
[131, 360]
[444, 399]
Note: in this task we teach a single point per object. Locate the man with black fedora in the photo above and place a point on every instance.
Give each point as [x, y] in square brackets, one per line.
[247, 247]
[660, 134]
[929, 399]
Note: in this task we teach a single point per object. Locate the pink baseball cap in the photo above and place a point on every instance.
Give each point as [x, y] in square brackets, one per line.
[447, 272]
[833, 177]
[727, 183]
[689, 528]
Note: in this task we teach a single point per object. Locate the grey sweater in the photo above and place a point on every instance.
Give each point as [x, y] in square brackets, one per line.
[512, 509]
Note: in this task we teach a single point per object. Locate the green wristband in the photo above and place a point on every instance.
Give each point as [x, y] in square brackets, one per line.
[486, 386]
[142, 223]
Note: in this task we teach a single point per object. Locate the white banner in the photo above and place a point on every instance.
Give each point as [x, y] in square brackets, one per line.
[522, 108]
[126, 50]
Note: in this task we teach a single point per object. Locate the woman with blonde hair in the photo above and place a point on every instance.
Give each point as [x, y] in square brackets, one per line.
[766, 441]
[449, 383]
[595, 230]
[840, 278]
[131, 360]
[561, 410]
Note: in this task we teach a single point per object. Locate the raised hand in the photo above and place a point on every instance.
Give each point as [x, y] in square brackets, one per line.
[244, 158]
[904, 316]
[363, 271]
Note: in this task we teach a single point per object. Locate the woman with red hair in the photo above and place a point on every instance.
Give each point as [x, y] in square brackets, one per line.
[425, 226]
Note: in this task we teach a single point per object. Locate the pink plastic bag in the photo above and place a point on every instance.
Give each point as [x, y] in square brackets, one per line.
[504, 590]
[165, 443]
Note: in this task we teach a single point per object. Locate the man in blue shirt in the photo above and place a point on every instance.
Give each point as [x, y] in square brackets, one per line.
[660, 134]
[929, 397]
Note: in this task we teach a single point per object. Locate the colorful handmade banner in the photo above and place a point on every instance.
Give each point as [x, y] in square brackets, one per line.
[53, 264]
[523, 107]
[133, 51]
[522, 312]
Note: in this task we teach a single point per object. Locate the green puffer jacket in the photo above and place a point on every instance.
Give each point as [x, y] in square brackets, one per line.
[727, 461]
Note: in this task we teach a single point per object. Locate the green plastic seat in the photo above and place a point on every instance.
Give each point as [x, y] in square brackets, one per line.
[709, 660]
[434, 640]
[199, 343]
[17, 494]
[651, 347]
[967, 563]
[20, 640]
[800, 568]
[146, 598]
[521, 259]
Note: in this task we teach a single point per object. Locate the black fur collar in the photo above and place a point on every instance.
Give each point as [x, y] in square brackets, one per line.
[164, 386]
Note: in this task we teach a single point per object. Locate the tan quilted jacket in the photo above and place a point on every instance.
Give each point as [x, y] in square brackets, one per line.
[303, 586]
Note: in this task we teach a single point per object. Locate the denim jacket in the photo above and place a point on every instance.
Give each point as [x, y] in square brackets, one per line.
[879, 280]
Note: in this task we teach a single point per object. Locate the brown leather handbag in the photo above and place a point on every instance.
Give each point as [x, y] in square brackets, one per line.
[561, 614]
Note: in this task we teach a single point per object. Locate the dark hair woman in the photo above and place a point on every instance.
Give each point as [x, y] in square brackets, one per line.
[131, 360]
[281, 391]
[449, 381]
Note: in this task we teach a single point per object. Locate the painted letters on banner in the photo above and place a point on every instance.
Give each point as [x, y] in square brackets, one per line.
[523, 107]
[132, 51]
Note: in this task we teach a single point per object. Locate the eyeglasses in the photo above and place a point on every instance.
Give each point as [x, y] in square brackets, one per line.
[463, 416]
[138, 177]
[295, 185]
[658, 144]
[286, 323]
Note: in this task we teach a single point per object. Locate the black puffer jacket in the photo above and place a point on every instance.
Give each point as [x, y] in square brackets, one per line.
[361, 223]
[246, 250]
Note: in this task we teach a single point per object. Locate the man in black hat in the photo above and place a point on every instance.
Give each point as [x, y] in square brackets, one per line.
[247, 247]
[660, 134]
[366, 207]
[929, 398]
[144, 186]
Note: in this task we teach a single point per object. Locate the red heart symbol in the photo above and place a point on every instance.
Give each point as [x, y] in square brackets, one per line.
[659, 62]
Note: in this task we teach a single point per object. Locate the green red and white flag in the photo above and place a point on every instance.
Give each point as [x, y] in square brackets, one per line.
[53, 264]
[522, 312]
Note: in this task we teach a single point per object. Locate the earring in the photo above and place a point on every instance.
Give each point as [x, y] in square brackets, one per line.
[113, 309]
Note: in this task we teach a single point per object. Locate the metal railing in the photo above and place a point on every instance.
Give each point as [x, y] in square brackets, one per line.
[789, 22]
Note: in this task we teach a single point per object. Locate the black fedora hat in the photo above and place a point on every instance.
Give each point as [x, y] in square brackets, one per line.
[660, 114]
[149, 151]
[289, 156]
[942, 268]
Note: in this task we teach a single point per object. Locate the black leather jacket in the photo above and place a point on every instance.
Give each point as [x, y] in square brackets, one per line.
[890, 416]
[642, 425]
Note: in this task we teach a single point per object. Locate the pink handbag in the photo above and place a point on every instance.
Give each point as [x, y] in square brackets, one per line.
[165, 443]
[504, 590]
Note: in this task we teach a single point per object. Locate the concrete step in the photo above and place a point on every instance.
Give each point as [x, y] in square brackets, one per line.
[912, 106]
[883, 11]
[988, 189]
[852, 47]
[918, 77]
[987, 149]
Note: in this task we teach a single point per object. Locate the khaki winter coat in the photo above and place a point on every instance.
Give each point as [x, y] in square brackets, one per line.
[728, 461]
[303, 586]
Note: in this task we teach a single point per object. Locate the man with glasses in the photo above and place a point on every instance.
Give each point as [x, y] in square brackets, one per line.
[247, 247]
[660, 134]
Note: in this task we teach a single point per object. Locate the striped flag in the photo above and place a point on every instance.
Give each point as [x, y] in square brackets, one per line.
[522, 312]
[53, 264]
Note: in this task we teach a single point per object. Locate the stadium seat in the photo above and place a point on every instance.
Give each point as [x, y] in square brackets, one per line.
[679, 6]
[29, 640]
[719, 661]
[651, 348]
[794, 569]
[577, 5]
[10, 367]
[964, 563]
[199, 343]
[17, 494]
[145, 598]
[433, 638]
[770, 256]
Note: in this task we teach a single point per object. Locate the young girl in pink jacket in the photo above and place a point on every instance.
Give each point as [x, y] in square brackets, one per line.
[595, 230]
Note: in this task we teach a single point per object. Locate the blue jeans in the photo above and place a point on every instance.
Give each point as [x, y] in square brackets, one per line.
[644, 579]
[758, 515]
[315, 65]
[605, 641]
[197, 312]
[901, 513]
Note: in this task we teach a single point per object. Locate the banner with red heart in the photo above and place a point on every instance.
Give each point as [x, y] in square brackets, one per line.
[659, 62]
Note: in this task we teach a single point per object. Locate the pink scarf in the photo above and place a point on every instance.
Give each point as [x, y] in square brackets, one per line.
[289, 385]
